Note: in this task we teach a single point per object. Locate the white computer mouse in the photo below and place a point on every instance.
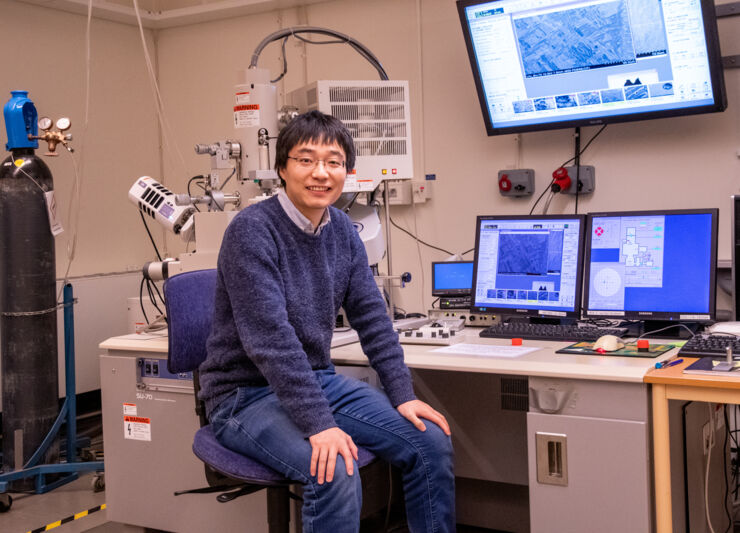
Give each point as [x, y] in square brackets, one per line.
[608, 343]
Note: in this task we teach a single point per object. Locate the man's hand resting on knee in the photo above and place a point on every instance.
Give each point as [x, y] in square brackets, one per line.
[415, 410]
[326, 446]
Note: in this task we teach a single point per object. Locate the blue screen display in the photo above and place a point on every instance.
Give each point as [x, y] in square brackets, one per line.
[651, 263]
[452, 276]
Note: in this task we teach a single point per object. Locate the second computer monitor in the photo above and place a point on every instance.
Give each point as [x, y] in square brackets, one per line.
[651, 265]
[452, 278]
[528, 265]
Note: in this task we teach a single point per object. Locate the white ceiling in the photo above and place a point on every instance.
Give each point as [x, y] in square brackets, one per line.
[169, 13]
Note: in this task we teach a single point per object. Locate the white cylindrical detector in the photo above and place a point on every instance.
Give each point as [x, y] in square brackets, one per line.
[255, 108]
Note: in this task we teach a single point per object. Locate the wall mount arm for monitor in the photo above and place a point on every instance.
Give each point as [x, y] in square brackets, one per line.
[729, 10]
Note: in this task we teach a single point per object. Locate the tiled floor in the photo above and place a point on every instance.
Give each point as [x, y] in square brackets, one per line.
[33, 511]
[30, 512]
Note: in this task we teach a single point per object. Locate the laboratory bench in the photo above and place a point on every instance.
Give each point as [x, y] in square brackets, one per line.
[543, 441]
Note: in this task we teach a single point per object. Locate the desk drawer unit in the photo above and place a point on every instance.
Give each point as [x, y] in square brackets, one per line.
[588, 457]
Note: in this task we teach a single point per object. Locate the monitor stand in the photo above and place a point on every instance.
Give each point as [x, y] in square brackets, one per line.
[674, 331]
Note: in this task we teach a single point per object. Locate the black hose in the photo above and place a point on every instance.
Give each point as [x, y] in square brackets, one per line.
[287, 32]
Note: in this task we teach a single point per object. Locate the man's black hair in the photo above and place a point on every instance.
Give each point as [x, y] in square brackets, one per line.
[314, 127]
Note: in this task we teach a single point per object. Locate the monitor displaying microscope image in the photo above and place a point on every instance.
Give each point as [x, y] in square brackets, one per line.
[528, 265]
[543, 64]
[651, 265]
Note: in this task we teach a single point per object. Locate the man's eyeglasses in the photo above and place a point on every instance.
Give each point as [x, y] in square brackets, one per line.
[311, 163]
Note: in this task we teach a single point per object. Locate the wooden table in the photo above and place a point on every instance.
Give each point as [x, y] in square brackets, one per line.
[672, 384]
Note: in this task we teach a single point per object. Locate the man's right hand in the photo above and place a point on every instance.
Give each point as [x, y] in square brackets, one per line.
[326, 446]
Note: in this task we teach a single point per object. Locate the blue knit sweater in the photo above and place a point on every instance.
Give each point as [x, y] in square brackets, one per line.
[278, 293]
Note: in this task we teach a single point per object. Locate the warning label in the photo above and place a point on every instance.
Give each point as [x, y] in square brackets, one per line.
[246, 116]
[137, 428]
[242, 98]
[129, 409]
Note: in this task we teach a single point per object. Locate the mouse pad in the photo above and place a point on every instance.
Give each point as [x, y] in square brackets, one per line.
[630, 350]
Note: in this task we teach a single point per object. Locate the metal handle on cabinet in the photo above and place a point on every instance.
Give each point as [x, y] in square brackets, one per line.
[552, 458]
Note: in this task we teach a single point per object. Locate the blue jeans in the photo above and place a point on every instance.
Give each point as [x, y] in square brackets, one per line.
[252, 422]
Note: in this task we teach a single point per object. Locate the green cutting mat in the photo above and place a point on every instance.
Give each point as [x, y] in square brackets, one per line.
[630, 350]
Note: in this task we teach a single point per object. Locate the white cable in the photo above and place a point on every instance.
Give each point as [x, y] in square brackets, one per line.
[547, 203]
[418, 251]
[159, 103]
[74, 223]
[73, 209]
[706, 473]
[422, 143]
[519, 140]
[420, 61]
[31, 178]
[158, 324]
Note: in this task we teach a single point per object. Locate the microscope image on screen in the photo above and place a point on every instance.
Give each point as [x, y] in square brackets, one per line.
[530, 253]
[532, 261]
[590, 36]
[603, 51]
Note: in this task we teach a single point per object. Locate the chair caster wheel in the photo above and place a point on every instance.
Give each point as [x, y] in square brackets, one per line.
[98, 483]
[6, 502]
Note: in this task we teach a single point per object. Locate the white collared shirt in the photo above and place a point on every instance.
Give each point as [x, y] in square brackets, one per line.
[298, 218]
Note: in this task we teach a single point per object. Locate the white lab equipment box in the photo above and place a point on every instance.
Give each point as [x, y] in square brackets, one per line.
[147, 463]
[377, 114]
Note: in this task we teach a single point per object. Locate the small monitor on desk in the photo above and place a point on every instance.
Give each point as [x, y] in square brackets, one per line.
[528, 265]
[651, 266]
[452, 278]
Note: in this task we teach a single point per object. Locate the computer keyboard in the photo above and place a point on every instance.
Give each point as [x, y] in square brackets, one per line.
[549, 332]
[710, 345]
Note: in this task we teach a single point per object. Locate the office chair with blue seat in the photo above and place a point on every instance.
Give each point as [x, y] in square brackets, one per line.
[189, 301]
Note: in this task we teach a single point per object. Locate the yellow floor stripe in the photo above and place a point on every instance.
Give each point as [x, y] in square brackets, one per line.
[72, 518]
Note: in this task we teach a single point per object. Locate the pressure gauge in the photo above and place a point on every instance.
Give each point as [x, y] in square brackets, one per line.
[63, 124]
[44, 123]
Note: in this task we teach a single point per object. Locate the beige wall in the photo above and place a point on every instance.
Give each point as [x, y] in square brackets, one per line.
[671, 163]
[44, 53]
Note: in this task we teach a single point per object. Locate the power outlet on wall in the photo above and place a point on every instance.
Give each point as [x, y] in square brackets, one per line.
[399, 192]
[421, 190]
[586, 177]
[516, 182]
[403, 192]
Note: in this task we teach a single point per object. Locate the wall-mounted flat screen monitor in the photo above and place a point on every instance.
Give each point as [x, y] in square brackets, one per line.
[528, 265]
[651, 265]
[452, 278]
[545, 64]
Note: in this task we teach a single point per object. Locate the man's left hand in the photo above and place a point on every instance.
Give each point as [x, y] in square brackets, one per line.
[415, 410]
